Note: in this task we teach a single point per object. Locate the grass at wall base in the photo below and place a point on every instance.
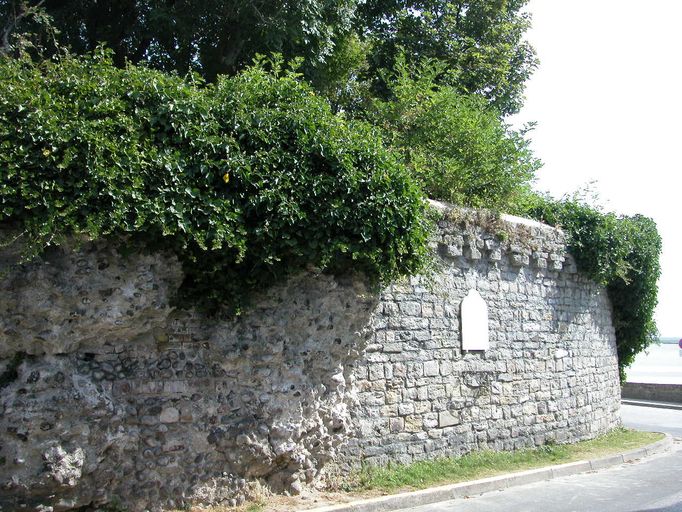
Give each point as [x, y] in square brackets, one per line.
[396, 478]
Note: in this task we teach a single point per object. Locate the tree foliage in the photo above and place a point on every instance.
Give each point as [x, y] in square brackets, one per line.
[246, 181]
[456, 145]
[207, 36]
[480, 41]
[24, 27]
[619, 252]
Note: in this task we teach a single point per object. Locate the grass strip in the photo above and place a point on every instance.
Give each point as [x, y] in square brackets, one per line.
[373, 481]
[419, 475]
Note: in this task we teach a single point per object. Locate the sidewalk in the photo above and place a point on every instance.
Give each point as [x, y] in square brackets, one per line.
[463, 489]
[652, 391]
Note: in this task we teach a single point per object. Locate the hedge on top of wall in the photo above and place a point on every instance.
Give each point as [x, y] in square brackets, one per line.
[246, 180]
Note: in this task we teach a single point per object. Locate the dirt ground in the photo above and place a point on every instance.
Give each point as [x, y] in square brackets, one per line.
[305, 501]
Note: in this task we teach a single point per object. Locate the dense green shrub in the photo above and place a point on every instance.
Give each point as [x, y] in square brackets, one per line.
[246, 180]
[456, 145]
[620, 252]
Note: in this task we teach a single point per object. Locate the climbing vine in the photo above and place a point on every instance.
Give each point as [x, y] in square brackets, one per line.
[619, 252]
[246, 180]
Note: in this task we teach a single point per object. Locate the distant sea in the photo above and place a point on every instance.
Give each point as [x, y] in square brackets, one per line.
[658, 364]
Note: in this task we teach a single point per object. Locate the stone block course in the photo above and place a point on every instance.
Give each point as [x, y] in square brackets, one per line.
[552, 346]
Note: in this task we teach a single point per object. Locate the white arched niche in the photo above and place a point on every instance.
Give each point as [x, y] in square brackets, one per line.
[474, 312]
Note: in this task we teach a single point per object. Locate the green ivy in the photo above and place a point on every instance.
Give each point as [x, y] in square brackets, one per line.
[247, 180]
[619, 252]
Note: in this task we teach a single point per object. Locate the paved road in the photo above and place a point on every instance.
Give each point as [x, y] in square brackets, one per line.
[650, 485]
[653, 419]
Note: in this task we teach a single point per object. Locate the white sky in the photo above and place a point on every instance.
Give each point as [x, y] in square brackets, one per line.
[608, 101]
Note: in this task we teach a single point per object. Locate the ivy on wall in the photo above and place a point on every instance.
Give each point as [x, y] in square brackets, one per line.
[253, 178]
[620, 252]
[246, 180]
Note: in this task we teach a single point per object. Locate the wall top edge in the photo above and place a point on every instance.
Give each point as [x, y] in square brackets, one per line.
[443, 208]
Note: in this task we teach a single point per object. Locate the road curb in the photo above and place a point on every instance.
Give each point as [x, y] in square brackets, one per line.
[495, 483]
[650, 403]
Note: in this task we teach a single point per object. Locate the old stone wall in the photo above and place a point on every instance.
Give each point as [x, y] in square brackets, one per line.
[550, 374]
[110, 395]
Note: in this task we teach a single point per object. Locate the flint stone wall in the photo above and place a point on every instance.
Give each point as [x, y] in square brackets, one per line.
[110, 395]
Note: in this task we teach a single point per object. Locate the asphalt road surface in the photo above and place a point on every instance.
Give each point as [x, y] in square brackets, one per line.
[651, 485]
[652, 419]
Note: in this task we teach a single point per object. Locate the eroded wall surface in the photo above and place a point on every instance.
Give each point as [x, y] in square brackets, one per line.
[111, 396]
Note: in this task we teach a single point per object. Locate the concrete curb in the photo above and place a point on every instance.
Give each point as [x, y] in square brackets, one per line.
[495, 483]
[651, 403]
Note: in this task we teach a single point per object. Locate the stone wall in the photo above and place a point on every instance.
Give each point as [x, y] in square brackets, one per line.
[651, 391]
[110, 395]
[550, 374]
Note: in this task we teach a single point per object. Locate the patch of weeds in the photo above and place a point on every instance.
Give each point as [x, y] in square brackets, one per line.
[482, 464]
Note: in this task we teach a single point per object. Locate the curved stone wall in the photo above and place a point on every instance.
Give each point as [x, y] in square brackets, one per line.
[110, 395]
[550, 374]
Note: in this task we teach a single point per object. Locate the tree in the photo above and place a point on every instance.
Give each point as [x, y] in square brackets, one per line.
[480, 41]
[208, 36]
[25, 27]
